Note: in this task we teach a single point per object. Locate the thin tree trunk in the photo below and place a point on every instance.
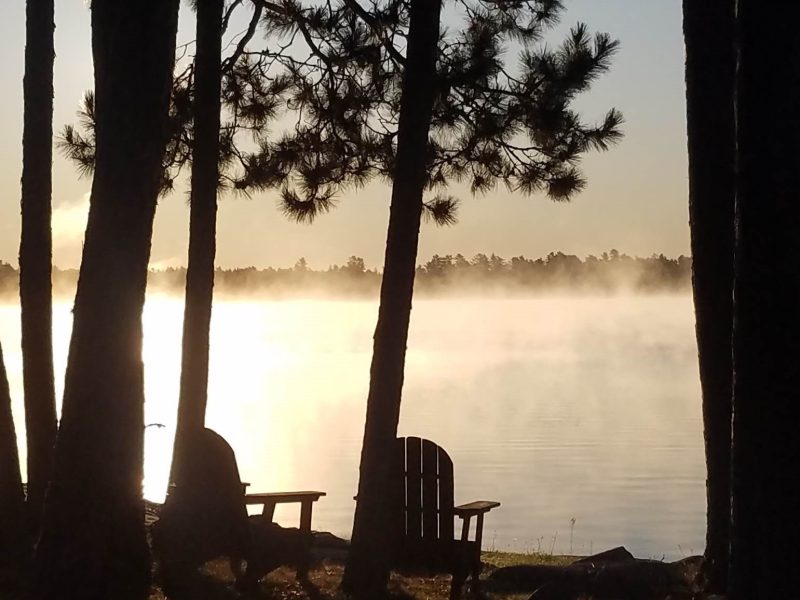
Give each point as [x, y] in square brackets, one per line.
[93, 540]
[35, 252]
[203, 223]
[766, 329]
[710, 84]
[367, 568]
[11, 496]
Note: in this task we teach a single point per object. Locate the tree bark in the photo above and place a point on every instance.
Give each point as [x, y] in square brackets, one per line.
[367, 569]
[766, 328]
[35, 252]
[710, 84]
[11, 497]
[203, 222]
[93, 542]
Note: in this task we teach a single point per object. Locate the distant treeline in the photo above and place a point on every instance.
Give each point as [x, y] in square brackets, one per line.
[611, 272]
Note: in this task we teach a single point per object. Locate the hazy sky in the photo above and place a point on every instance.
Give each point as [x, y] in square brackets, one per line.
[636, 200]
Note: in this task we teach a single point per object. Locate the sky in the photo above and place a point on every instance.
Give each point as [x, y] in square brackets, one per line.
[636, 199]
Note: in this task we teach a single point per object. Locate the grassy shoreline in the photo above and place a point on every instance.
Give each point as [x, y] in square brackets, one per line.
[325, 576]
[638, 582]
[215, 581]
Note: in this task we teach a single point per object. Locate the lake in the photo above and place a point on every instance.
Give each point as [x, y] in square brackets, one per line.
[581, 415]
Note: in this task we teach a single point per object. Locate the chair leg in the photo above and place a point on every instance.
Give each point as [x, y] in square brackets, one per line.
[306, 540]
[476, 570]
[476, 559]
[235, 564]
[457, 584]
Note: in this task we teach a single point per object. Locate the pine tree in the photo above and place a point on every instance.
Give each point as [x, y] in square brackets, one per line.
[35, 252]
[766, 309]
[710, 78]
[368, 560]
[202, 223]
[485, 124]
[197, 138]
[93, 543]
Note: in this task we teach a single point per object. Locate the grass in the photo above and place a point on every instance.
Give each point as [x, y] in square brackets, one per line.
[510, 559]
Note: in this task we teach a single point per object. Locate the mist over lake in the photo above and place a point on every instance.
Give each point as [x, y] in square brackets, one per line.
[559, 407]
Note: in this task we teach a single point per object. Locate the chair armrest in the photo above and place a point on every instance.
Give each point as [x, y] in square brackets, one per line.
[472, 509]
[283, 497]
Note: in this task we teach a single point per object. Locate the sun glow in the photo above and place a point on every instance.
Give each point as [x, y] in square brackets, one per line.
[245, 362]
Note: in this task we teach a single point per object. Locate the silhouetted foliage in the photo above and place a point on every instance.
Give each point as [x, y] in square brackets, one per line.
[251, 99]
[440, 275]
[339, 68]
[491, 123]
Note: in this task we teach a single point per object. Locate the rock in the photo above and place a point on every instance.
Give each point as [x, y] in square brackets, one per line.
[273, 546]
[328, 546]
[610, 575]
[556, 591]
[325, 539]
[614, 555]
[527, 577]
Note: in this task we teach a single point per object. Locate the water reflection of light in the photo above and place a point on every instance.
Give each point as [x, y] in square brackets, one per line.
[161, 350]
[259, 387]
[559, 407]
[157, 460]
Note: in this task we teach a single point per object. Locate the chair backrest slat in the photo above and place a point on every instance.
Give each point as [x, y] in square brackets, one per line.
[430, 491]
[446, 494]
[413, 487]
[397, 491]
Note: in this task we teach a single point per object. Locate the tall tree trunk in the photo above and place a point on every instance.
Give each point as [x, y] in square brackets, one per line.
[766, 328]
[710, 84]
[203, 224]
[93, 539]
[35, 252]
[367, 568]
[11, 496]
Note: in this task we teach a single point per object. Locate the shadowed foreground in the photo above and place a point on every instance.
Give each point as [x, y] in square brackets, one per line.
[505, 576]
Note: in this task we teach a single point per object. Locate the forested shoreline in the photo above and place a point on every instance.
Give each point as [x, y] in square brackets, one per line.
[611, 272]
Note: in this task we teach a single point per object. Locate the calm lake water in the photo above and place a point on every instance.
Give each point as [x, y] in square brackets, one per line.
[581, 415]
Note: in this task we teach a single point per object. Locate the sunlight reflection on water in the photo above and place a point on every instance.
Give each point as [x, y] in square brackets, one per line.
[560, 408]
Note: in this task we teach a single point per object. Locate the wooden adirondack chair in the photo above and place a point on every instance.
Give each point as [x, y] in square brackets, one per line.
[206, 517]
[422, 510]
